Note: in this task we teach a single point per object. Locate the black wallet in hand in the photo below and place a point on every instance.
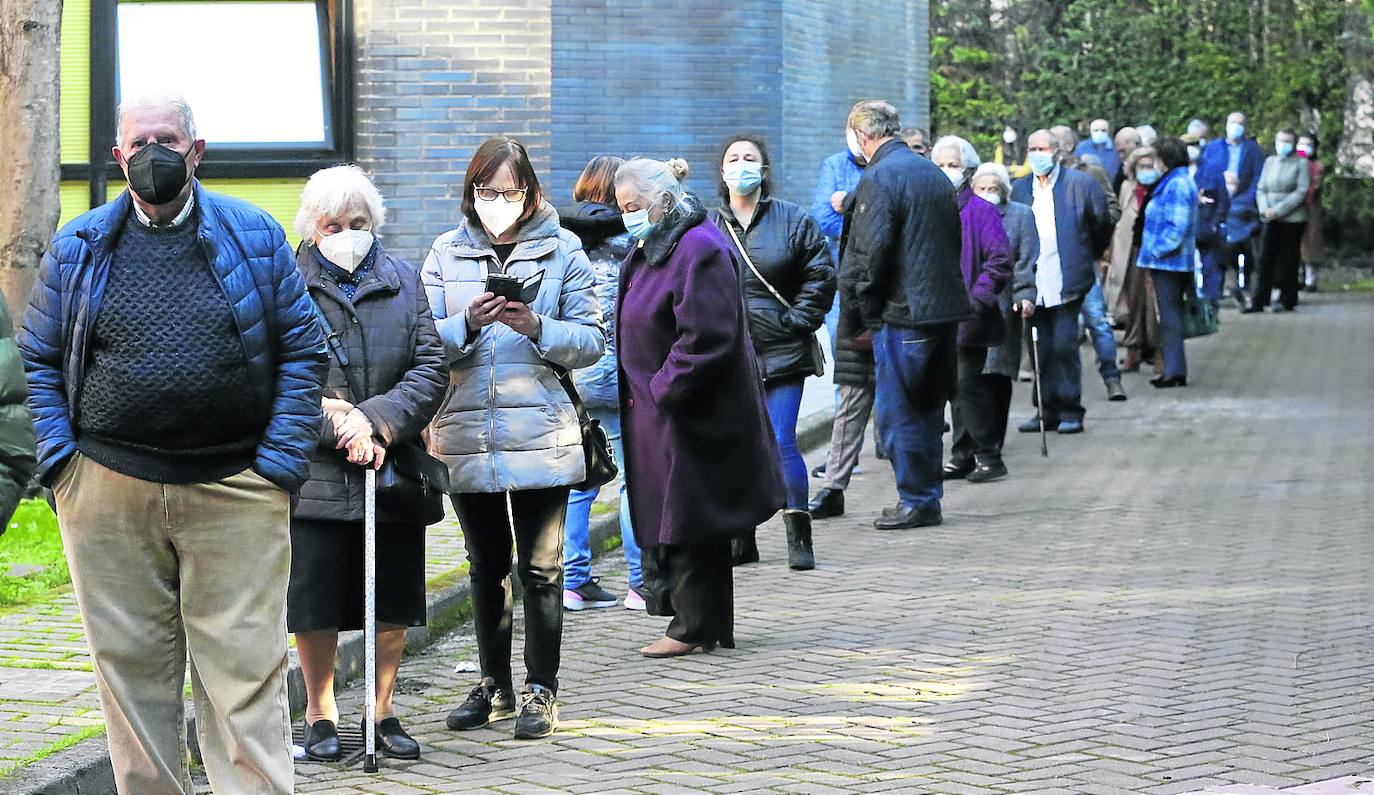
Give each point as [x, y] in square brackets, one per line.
[513, 288]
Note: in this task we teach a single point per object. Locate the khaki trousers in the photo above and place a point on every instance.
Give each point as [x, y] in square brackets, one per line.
[163, 572]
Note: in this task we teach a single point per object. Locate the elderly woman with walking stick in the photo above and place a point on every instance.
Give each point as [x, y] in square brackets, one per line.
[386, 377]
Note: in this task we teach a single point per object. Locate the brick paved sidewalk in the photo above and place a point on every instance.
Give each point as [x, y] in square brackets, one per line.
[1179, 599]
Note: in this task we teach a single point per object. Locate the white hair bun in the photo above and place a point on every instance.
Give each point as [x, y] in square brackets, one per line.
[679, 168]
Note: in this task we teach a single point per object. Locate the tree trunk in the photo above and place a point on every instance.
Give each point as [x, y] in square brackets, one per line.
[1355, 157]
[30, 171]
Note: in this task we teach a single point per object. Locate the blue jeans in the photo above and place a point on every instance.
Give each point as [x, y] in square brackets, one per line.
[577, 546]
[784, 404]
[915, 377]
[1061, 369]
[1094, 314]
[1169, 287]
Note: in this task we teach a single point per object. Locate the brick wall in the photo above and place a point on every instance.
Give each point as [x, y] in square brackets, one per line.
[435, 80]
[577, 78]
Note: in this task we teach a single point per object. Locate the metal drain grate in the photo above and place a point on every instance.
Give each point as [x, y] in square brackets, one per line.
[350, 745]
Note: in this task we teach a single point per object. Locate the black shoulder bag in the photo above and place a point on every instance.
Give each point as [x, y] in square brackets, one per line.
[596, 447]
[410, 480]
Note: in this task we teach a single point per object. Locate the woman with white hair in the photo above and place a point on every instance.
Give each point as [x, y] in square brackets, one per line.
[992, 183]
[700, 459]
[386, 377]
[985, 259]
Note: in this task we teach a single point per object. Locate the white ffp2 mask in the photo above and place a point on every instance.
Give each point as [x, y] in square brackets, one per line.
[347, 248]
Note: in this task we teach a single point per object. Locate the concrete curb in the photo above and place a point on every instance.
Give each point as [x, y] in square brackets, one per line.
[84, 769]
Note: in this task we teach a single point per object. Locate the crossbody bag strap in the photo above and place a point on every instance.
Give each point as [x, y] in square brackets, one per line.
[565, 378]
[336, 347]
[729, 227]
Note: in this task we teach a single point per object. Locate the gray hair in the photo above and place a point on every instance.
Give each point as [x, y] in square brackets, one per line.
[333, 192]
[656, 180]
[175, 102]
[968, 156]
[875, 118]
[1148, 135]
[998, 171]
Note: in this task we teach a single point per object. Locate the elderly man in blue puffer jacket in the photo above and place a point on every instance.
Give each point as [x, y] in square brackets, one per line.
[174, 366]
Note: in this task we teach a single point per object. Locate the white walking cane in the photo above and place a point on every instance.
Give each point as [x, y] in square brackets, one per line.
[1039, 393]
[370, 617]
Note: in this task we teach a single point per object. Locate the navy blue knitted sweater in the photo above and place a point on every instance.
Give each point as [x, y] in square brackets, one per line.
[166, 395]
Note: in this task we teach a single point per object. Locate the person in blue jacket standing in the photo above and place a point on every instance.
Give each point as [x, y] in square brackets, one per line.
[1233, 153]
[840, 173]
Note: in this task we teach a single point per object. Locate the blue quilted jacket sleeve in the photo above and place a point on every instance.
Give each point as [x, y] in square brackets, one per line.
[42, 345]
[302, 364]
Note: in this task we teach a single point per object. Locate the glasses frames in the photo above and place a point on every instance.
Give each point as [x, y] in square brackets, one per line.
[511, 195]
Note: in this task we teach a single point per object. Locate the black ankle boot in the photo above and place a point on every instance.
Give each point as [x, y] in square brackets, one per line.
[800, 556]
[744, 549]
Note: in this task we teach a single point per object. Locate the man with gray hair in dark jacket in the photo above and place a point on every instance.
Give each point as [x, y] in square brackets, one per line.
[901, 273]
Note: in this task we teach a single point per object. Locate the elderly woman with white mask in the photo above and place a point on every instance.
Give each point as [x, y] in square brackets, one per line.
[386, 377]
[507, 429]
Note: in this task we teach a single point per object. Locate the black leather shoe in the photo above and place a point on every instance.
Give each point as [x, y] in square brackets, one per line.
[957, 470]
[828, 503]
[985, 473]
[910, 518]
[322, 741]
[485, 704]
[393, 741]
[1167, 383]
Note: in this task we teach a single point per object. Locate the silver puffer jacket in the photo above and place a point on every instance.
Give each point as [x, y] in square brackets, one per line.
[506, 424]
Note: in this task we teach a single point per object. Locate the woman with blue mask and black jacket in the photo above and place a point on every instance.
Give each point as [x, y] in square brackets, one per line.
[788, 281]
[598, 224]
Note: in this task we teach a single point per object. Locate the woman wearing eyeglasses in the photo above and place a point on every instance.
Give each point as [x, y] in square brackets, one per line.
[507, 429]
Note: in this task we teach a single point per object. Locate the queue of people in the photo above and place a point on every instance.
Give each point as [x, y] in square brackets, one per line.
[202, 387]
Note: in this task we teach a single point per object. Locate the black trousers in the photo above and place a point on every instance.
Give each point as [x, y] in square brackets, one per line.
[1280, 264]
[1000, 386]
[535, 518]
[695, 585]
[975, 410]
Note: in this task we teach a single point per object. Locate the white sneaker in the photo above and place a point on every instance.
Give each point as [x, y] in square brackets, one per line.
[633, 601]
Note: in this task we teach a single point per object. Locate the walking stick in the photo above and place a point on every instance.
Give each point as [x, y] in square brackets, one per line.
[370, 616]
[1039, 395]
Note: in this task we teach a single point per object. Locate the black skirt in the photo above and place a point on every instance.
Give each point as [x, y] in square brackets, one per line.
[326, 590]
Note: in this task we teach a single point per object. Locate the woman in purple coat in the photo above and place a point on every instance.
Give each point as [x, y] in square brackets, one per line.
[701, 464]
[986, 261]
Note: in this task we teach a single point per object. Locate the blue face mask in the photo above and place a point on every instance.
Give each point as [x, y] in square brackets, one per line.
[638, 224]
[1041, 163]
[1147, 176]
[743, 177]
[1235, 130]
[1100, 137]
[1284, 148]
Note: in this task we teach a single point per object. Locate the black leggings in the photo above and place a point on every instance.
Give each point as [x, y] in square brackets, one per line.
[537, 516]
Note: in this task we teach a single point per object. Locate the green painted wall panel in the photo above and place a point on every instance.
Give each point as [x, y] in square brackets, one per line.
[75, 101]
[279, 197]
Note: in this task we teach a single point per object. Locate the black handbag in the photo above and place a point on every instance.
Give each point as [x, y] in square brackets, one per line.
[596, 446]
[410, 480]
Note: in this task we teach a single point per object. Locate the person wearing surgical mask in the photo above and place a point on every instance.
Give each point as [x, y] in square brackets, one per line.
[386, 378]
[508, 429]
[788, 281]
[1099, 143]
[701, 463]
[985, 262]
[1282, 202]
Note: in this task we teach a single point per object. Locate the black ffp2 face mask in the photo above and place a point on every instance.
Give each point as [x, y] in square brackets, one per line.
[157, 174]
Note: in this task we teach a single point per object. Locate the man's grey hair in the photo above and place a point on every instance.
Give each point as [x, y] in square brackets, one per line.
[1148, 135]
[875, 118]
[1065, 137]
[998, 172]
[334, 192]
[968, 156]
[157, 101]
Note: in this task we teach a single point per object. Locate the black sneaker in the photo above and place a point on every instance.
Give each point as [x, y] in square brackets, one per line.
[587, 596]
[485, 704]
[538, 713]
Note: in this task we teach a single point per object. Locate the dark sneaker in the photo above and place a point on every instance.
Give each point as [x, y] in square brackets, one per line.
[987, 472]
[538, 713]
[1032, 425]
[1070, 426]
[485, 704]
[956, 470]
[588, 596]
